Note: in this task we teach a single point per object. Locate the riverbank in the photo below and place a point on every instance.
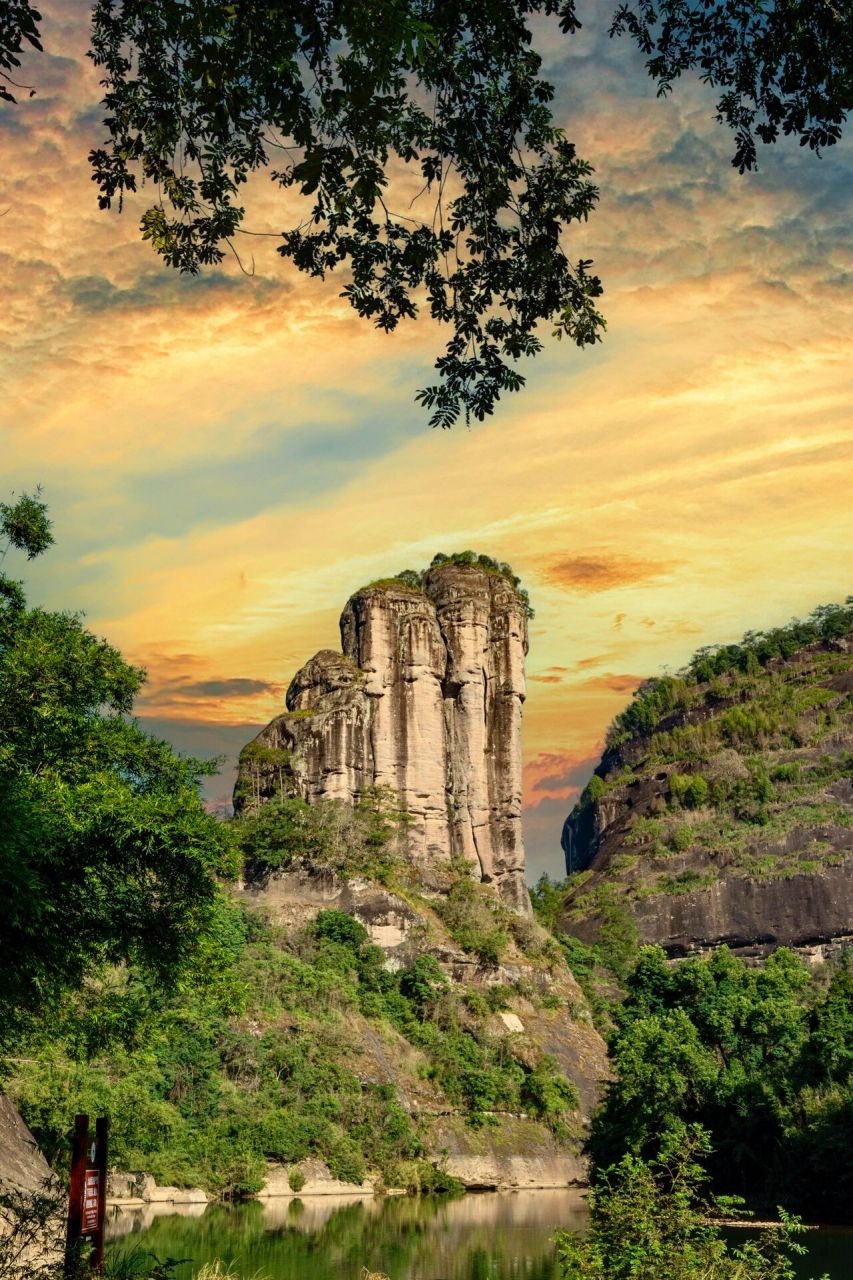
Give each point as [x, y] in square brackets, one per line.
[500, 1234]
[537, 1211]
[476, 1164]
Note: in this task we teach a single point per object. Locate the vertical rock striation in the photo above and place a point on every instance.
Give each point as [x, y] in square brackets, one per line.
[425, 699]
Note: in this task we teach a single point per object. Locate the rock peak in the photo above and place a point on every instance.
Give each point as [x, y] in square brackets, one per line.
[425, 699]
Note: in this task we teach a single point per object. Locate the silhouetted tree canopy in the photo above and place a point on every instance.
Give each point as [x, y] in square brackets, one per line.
[360, 104]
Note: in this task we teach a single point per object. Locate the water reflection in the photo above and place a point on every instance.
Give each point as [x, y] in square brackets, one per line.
[498, 1236]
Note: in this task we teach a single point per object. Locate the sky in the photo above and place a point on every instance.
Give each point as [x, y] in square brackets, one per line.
[227, 458]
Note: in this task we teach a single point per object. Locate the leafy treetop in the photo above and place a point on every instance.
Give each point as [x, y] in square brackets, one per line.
[784, 66]
[26, 525]
[422, 137]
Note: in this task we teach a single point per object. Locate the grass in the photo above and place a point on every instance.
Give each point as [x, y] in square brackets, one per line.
[392, 584]
[687, 882]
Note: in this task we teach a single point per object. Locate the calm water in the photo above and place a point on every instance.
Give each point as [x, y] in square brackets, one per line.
[499, 1236]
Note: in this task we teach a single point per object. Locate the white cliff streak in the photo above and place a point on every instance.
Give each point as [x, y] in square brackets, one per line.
[426, 699]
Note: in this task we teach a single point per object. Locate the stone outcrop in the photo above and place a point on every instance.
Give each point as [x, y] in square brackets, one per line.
[522, 1157]
[314, 1180]
[22, 1165]
[425, 699]
[141, 1188]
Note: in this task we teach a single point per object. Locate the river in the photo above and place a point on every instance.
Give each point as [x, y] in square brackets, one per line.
[496, 1236]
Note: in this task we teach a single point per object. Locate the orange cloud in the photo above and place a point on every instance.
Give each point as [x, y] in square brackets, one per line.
[583, 663]
[611, 682]
[590, 574]
[556, 775]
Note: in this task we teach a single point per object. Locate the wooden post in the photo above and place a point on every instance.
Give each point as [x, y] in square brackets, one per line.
[75, 1198]
[87, 1195]
[102, 1127]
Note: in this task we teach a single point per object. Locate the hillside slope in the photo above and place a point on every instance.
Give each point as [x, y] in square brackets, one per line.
[341, 1021]
[722, 809]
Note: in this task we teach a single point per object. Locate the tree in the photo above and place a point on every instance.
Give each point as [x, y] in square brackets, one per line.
[348, 103]
[106, 852]
[26, 525]
[761, 1058]
[286, 831]
[358, 103]
[649, 1219]
[783, 65]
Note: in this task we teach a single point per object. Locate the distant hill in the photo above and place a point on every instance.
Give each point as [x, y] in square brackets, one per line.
[722, 809]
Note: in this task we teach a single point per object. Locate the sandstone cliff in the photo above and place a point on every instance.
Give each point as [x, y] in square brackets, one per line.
[722, 810]
[425, 699]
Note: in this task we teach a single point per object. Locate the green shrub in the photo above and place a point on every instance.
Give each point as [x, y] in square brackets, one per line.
[643, 831]
[696, 794]
[423, 983]
[618, 938]
[649, 1220]
[476, 1004]
[434, 1179]
[592, 792]
[285, 831]
[580, 957]
[686, 882]
[498, 996]
[680, 838]
[548, 1095]
[338, 926]
[414, 578]
[548, 898]
[689, 790]
[476, 920]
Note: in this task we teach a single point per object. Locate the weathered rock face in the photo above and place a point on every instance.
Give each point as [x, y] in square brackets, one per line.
[426, 699]
[763, 856]
[21, 1163]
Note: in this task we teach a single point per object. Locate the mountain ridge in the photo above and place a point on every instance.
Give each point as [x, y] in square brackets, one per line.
[722, 808]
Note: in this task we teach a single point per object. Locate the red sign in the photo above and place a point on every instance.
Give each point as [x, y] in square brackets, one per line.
[87, 1195]
[91, 1197]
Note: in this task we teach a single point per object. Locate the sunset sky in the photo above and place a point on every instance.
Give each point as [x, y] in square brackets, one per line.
[227, 458]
